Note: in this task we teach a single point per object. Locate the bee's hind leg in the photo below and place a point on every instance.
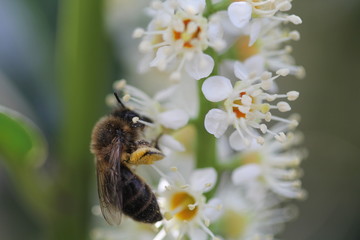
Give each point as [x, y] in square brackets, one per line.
[146, 155]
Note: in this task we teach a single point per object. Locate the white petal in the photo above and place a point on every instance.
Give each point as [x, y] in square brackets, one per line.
[173, 119]
[160, 60]
[236, 142]
[144, 63]
[165, 93]
[216, 122]
[200, 66]
[255, 65]
[246, 173]
[240, 71]
[239, 13]
[255, 29]
[163, 183]
[216, 88]
[203, 180]
[170, 142]
[214, 209]
[186, 97]
[192, 6]
[197, 233]
[214, 31]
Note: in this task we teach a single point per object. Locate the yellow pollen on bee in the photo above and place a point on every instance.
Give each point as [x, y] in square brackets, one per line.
[145, 155]
[180, 202]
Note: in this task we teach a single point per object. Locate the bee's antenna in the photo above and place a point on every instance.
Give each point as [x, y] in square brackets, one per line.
[118, 99]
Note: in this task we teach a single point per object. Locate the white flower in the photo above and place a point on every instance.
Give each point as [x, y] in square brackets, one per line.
[272, 164]
[250, 214]
[177, 36]
[184, 205]
[246, 105]
[266, 40]
[240, 12]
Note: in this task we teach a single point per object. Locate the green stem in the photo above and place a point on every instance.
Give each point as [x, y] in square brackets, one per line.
[81, 69]
[213, 8]
[206, 143]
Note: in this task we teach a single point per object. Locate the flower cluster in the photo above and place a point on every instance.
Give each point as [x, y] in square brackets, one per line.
[177, 36]
[224, 63]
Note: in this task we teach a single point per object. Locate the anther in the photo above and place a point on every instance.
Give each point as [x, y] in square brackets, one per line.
[283, 106]
[110, 100]
[294, 35]
[126, 97]
[294, 19]
[283, 72]
[292, 95]
[281, 137]
[263, 128]
[265, 76]
[135, 119]
[192, 206]
[138, 33]
[119, 85]
[268, 116]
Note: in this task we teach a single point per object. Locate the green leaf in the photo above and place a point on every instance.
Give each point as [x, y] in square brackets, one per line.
[21, 142]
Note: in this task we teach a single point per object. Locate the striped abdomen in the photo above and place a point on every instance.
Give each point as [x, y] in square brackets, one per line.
[138, 201]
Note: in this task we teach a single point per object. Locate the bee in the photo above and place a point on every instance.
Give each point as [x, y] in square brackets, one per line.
[118, 144]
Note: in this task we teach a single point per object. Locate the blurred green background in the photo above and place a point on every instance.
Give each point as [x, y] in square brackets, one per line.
[57, 63]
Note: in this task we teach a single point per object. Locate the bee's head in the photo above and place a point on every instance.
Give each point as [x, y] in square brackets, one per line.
[131, 117]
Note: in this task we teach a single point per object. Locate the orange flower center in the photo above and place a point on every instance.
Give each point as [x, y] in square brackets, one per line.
[185, 36]
[180, 203]
[243, 49]
[238, 113]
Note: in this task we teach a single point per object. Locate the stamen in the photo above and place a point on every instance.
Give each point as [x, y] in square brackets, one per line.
[245, 140]
[283, 72]
[192, 206]
[119, 85]
[283, 106]
[292, 95]
[126, 98]
[163, 175]
[110, 100]
[281, 137]
[138, 33]
[207, 230]
[147, 123]
[161, 235]
[169, 215]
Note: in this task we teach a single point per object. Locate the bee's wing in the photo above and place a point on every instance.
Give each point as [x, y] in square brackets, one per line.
[109, 186]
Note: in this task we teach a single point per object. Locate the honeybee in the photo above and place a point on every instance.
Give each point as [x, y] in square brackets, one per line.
[118, 144]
